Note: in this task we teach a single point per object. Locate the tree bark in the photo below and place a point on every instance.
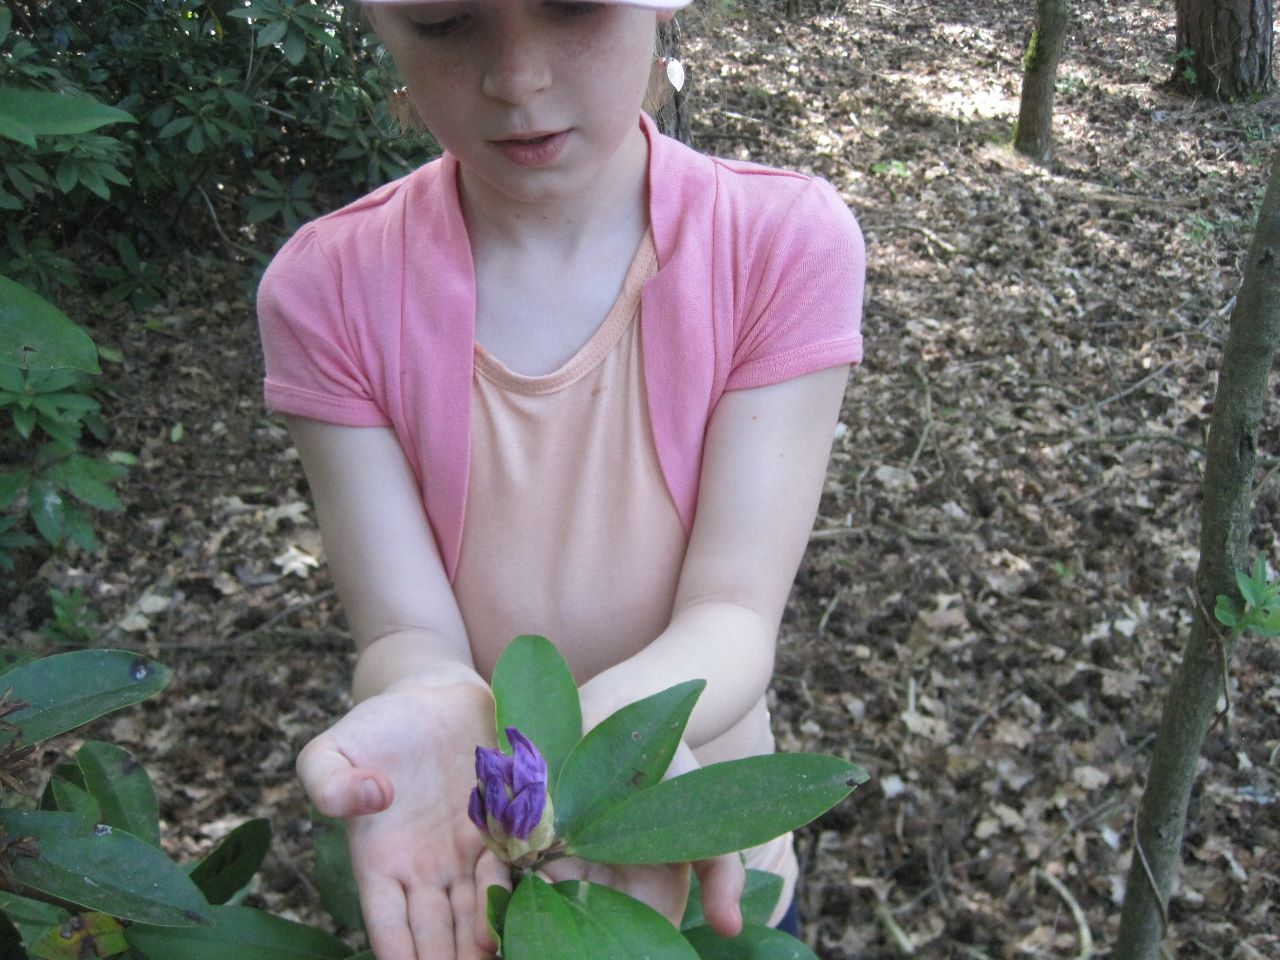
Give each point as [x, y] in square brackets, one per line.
[1224, 47]
[673, 117]
[1039, 78]
[1191, 703]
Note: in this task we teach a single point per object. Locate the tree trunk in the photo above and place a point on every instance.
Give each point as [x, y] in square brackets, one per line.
[1039, 77]
[673, 117]
[1224, 47]
[1191, 703]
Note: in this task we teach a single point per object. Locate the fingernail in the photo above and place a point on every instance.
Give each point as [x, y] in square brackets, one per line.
[371, 794]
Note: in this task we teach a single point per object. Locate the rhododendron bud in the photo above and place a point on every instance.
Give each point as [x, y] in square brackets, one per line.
[509, 803]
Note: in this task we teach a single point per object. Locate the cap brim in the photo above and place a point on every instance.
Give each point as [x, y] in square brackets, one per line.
[651, 4]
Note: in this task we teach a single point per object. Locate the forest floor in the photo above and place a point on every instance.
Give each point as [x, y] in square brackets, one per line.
[997, 588]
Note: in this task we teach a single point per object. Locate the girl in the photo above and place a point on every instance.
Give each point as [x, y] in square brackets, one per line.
[572, 378]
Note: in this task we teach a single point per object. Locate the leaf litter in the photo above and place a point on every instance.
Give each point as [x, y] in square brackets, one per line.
[997, 587]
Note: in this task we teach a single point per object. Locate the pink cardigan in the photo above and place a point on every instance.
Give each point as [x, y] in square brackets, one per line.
[368, 314]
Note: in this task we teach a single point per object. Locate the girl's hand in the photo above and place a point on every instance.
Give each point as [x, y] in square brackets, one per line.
[399, 768]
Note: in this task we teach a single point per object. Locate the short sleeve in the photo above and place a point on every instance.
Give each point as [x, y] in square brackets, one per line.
[803, 311]
[313, 366]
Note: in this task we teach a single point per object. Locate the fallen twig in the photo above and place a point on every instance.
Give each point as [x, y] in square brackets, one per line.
[1083, 932]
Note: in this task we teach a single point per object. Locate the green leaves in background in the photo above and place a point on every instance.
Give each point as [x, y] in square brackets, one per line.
[121, 789]
[627, 752]
[102, 869]
[36, 335]
[334, 876]
[67, 690]
[535, 692]
[227, 869]
[718, 809]
[26, 114]
[237, 933]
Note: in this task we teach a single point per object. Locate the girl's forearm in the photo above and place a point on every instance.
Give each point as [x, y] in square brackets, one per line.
[414, 656]
[729, 645]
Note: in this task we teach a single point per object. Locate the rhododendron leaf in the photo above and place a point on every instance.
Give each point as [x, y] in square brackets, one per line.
[99, 868]
[66, 690]
[540, 926]
[534, 691]
[121, 788]
[238, 933]
[620, 928]
[756, 942]
[718, 809]
[629, 751]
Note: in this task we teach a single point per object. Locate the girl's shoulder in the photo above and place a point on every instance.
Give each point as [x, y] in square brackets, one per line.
[740, 197]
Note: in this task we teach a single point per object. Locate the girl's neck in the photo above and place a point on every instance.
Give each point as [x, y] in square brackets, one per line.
[613, 208]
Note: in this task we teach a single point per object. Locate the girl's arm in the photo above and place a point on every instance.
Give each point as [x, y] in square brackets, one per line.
[398, 766]
[383, 558]
[764, 464]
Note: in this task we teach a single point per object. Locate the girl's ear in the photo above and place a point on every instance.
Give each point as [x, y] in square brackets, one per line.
[666, 16]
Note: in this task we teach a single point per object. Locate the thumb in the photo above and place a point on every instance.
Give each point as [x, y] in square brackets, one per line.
[338, 787]
[722, 880]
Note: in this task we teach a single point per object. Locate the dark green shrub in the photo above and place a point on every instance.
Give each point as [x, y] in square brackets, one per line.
[249, 113]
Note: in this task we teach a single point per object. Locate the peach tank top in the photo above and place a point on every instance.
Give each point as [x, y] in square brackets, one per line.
[570, 530]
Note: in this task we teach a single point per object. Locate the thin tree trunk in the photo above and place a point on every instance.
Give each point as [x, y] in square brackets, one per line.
[1224, 47]
[1039, 78]
[1191, 703]
[673, 117]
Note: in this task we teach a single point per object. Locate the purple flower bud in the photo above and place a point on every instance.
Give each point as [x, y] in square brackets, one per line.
[509, 803]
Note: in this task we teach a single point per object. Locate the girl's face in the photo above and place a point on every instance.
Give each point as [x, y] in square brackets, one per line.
[536, 98]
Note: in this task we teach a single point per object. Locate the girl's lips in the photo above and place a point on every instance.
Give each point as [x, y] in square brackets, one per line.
[534, 151]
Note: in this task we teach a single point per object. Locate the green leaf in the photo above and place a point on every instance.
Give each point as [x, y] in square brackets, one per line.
[102, 869]
[620, 928]
[1248, 589]
[87, 479]
[91, 935]
[231, 864]
[46, 507]
[718, 809]
[759, 899]
[334, 876]
[70, 798]
[33, 918]
[1225, 611]
[237, 933]
[629, 751]
[540, 925]
[756, 942]
[496, 901]
[535, 693]
[272, 33]
[121, 788]
[67, 690]
[6, 17]
[35, 113]
[38, 336]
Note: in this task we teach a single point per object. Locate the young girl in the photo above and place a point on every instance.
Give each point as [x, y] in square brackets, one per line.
[572, 378]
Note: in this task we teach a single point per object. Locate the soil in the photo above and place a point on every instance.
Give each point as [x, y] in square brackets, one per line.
[997, 589]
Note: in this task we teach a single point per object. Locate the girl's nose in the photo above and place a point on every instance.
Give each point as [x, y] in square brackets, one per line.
[518, 67]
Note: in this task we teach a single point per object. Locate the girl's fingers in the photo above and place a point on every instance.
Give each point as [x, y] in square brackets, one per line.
[336, 787]
[432, 925]
[490, 871]
[386, 919]
[722, 880]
